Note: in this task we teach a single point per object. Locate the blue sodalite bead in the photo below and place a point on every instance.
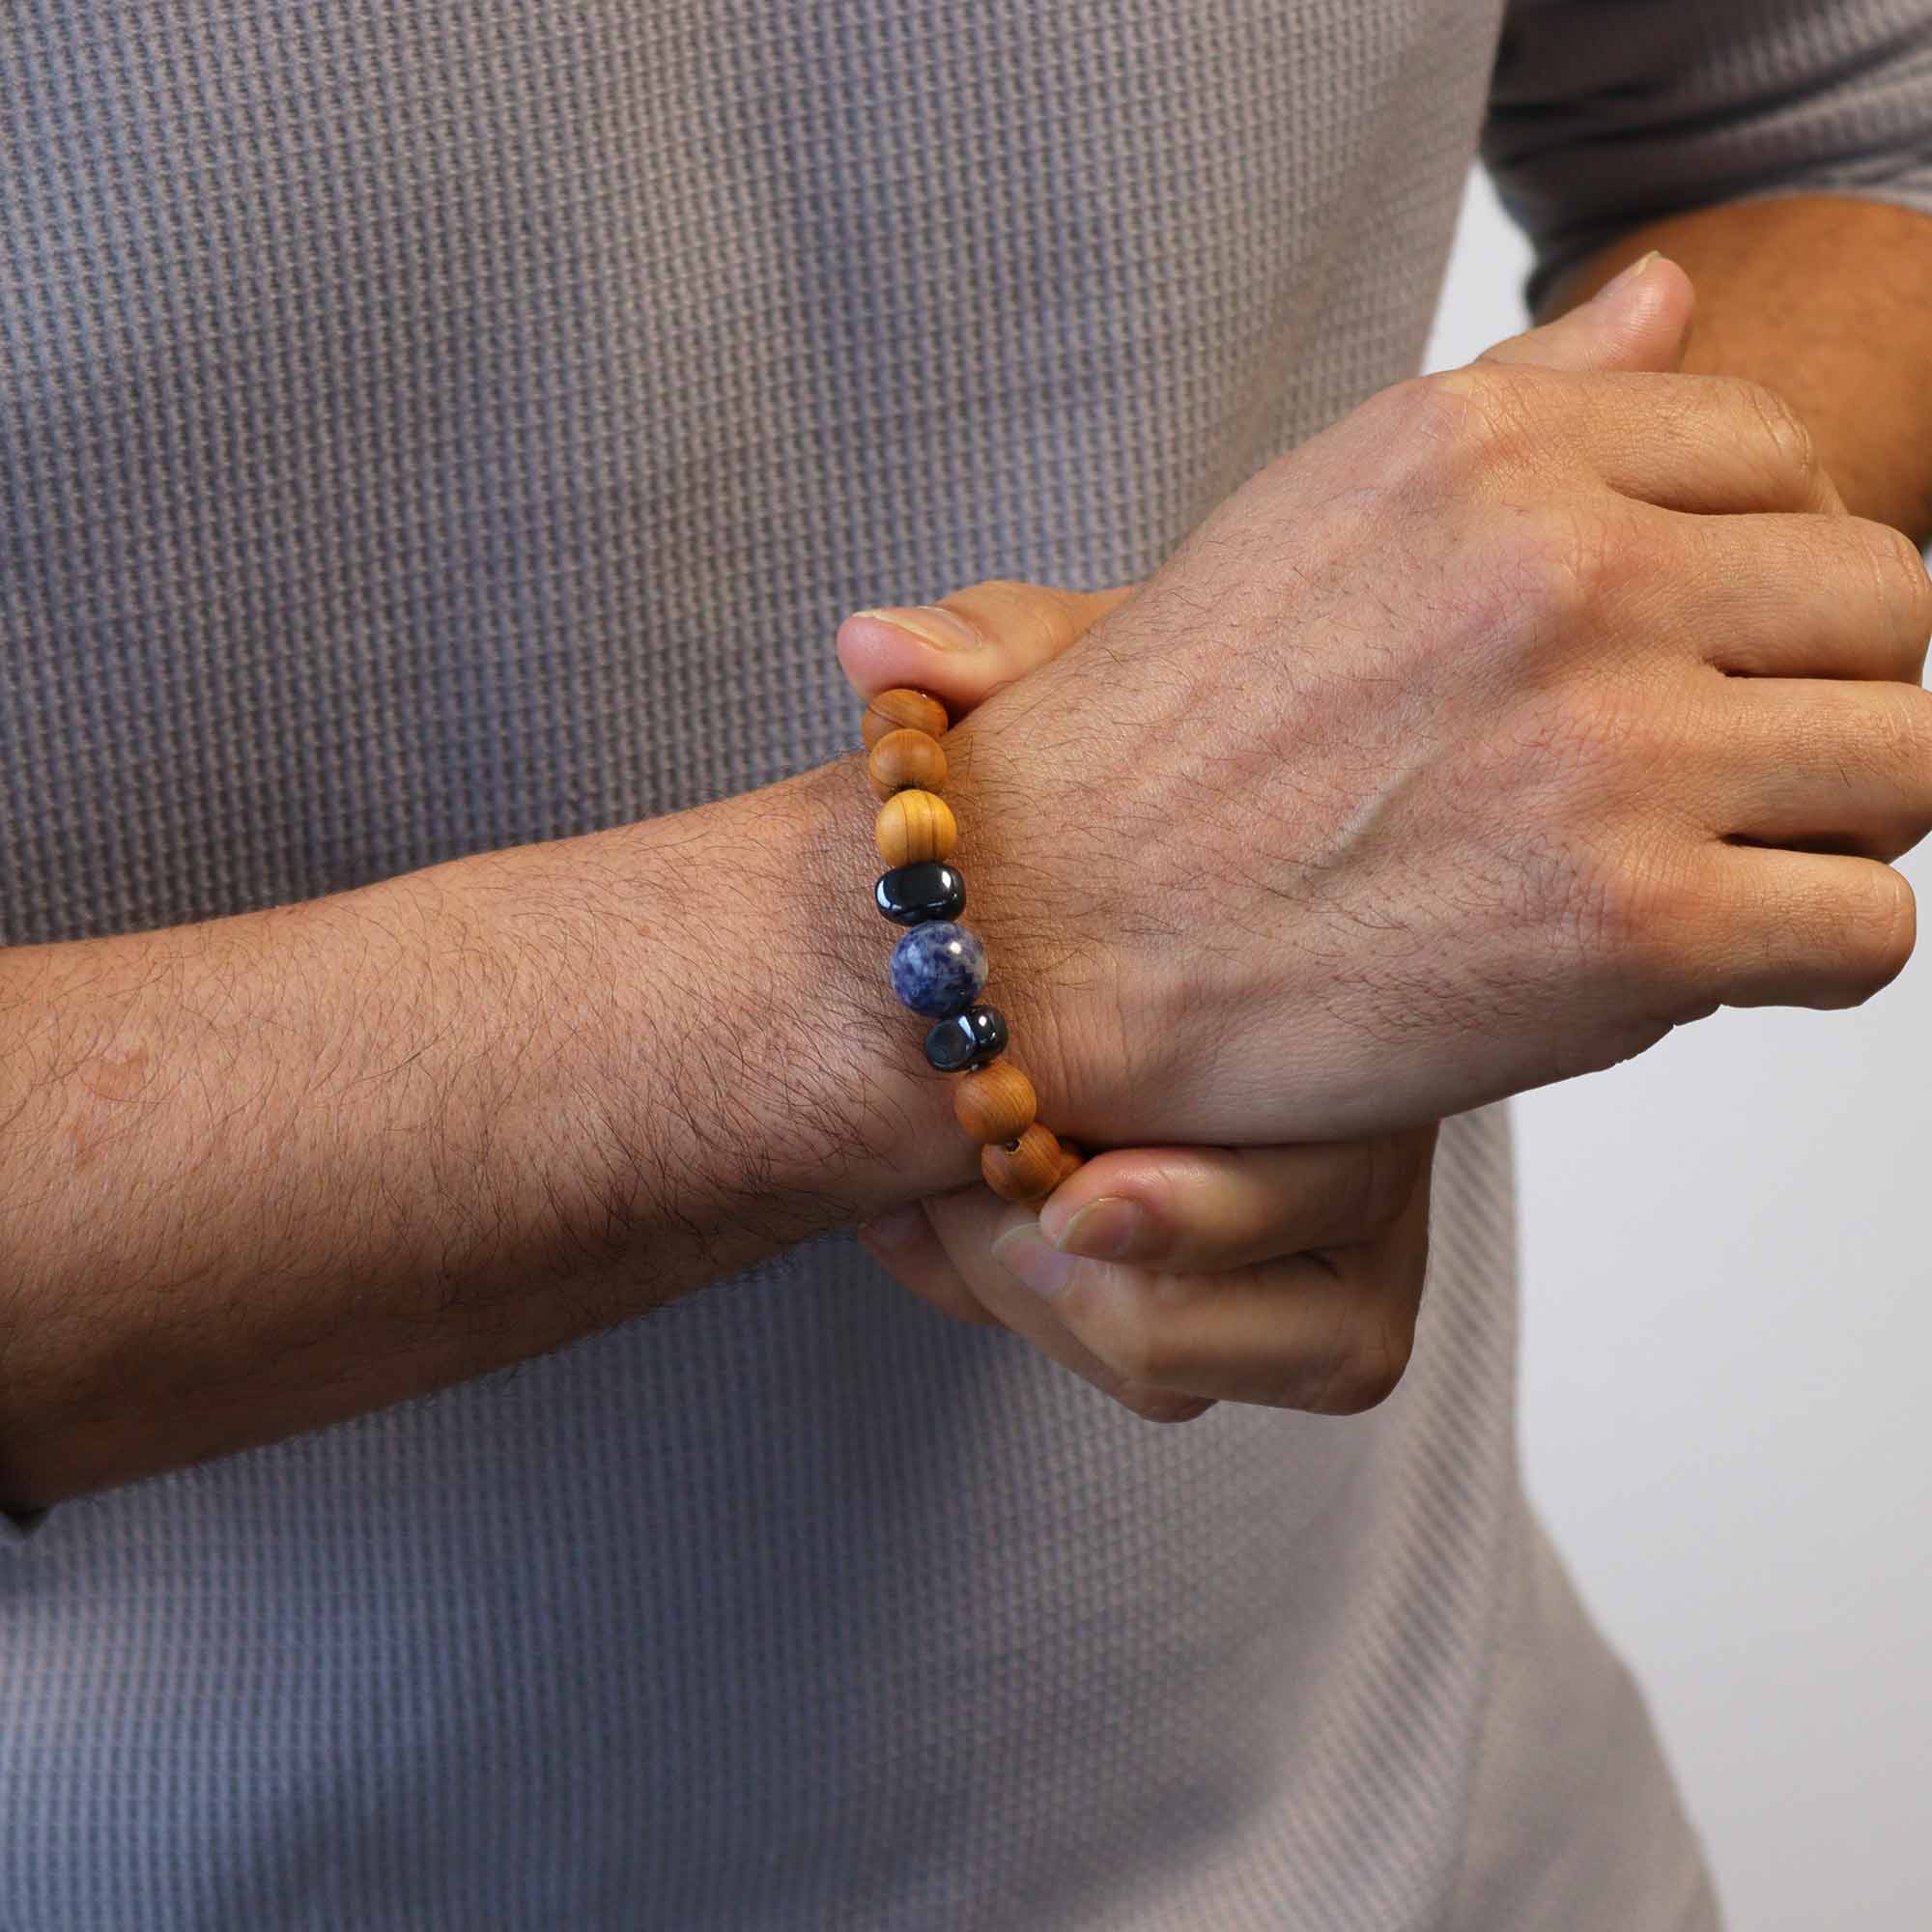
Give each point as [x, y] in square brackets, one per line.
[912, 894]
[939, 968]
[967, 1040]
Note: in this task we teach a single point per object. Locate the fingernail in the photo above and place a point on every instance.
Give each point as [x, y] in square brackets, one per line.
[1623, 280]
[1109, 1229]
[1026, 1254]
[896, 1229]
[933, 624]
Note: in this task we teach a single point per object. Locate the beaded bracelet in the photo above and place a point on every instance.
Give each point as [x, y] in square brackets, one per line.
[939, 968]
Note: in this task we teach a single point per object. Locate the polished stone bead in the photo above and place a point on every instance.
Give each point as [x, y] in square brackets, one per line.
[912, 894]
[967, 1039]
[938, 968]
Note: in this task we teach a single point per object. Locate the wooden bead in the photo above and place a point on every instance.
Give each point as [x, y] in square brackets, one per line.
[907, 761]
[1071, 1162]
[903, 709]
[915, 826]
[997, 1103]
[1026, 1172]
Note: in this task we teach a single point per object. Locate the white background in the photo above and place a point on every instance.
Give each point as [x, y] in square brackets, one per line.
[1727, 1389]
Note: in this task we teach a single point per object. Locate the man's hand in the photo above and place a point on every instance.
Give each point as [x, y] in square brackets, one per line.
[1159, 1273]
[1285, 1276]
[1529, 711]
[1165, 1276]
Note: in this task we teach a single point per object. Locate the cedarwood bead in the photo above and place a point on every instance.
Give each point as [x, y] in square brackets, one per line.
[997, 1103]
[907, 761]
[903, 709]
[1026, 1172]
[915, 826]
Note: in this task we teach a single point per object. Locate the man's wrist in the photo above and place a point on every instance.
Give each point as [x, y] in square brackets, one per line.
[901, 1116]
[760, 1034]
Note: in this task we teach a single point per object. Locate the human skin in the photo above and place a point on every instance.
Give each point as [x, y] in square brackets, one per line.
[1316, 1240]
[1825, 301]
[1319, 1240]
[1765, 312]
[269, 1172]
[1467, 748]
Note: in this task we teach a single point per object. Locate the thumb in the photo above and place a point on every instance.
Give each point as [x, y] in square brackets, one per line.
[963, 648]
[1639, 319]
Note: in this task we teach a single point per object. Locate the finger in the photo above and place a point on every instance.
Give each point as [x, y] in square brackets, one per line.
[1294, 1333]
[1828, 766]
[904, 1245]
[1793, 596]
[1640, 321]
[1709, 444]
[1802, 930]
[968, 1223]
[1705, 444]
[967, 646]
[1691, 442]
[1328, 1336]
[1208, 1208]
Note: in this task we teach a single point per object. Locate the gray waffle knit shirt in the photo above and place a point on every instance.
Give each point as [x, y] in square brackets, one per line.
[429, 426]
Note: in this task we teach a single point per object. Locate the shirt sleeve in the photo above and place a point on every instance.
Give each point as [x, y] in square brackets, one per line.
[1607, 114]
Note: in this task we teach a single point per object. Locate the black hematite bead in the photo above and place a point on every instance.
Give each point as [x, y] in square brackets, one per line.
[967, 1039]
[913, 895]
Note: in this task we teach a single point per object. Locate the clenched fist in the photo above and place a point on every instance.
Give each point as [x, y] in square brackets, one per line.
[1529, 711]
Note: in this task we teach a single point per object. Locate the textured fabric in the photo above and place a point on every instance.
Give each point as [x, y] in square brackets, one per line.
[1603, 116]
[430, 426]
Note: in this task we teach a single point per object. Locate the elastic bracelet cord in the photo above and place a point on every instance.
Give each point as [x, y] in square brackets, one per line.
[939, 968]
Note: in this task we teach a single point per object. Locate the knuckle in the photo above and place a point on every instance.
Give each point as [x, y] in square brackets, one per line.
[1505, 410]
[1620, 907]
[1899, 570]
[1567, 752]
[1881, 929]
[1035, 617]
[1438, 402]
[1455, 418]
[1879, 753]
[1783, 427]
[1550, 566]
[1904, 740]
[1594, 723]
[1366, 1369]
[1040, 603]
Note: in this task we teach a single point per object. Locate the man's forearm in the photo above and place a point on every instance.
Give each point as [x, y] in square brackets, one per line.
[1826, 300]
[263, 1174]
